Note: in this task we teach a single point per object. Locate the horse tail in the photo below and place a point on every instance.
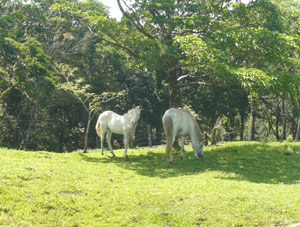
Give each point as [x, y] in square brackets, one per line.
[98, 128]
[168, 128]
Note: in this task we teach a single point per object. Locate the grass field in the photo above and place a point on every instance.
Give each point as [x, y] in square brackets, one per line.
[236, 184]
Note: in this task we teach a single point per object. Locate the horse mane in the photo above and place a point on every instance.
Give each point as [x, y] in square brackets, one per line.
[129, 112]
[197, 128]
[186, 111]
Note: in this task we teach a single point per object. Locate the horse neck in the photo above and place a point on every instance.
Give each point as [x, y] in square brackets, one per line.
[196, 133]
[127, 122]
[130, 114]
[195, 139]
[129, 127]
[127, 117]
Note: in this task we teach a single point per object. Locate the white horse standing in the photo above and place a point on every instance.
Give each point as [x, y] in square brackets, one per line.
[110, 122]
[180, 122]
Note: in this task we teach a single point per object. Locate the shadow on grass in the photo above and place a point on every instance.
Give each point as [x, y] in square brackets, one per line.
[254, 162]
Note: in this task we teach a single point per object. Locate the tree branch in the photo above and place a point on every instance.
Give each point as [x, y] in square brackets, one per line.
[239, 27]
[116, 44]
[2, 4]
[134, 22]
[3, 93]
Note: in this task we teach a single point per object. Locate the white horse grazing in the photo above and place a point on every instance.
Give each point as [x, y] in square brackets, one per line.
[110, 122]
[180, 122]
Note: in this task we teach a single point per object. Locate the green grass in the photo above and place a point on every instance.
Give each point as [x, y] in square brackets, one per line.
[236, 184]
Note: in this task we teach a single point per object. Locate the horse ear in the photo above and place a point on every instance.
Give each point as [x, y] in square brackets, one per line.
[133, 106]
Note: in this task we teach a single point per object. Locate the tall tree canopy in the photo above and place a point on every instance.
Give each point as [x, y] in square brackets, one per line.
[211, 41]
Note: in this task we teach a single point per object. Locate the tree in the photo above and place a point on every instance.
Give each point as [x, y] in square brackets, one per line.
[80, 91]
[27, 69]
[257, 52]
[148, 31]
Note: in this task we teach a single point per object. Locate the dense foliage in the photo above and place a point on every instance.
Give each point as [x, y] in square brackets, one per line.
[235, 65]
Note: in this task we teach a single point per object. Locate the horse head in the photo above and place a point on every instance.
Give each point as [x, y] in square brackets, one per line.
[198, 139]
[200, 149]
[135, 115]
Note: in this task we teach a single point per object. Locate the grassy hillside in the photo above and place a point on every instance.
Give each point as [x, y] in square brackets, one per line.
[236, 184]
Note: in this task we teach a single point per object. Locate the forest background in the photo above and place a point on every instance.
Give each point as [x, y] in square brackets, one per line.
[234, 65]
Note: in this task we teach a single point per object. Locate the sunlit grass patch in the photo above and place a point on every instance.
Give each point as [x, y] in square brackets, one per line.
[236, 184]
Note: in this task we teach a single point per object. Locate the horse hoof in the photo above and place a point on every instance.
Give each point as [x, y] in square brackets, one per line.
[126, 158]
[181, 158]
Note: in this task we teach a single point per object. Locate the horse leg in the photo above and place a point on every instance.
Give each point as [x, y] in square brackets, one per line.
[170, 152]
[102, 139]
[108, 139]
[182, 147]
[126, 143]
[170, 138]
[169, 146]
[195, 151]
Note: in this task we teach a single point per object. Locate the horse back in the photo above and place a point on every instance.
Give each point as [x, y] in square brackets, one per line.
[118, 124]
[182, 121]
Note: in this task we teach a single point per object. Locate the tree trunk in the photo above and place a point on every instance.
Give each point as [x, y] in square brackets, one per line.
[271, 128]
[149, 135]
[297, 105]
[251, 135]
[213, 140]
[243, 106]
[242, 126]
[277, 129]
[278, 116]
[87, 132]
[28, 131]
[60, 140]
[173, 91]
[27, 135]
[284, 120]
[298, 131]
